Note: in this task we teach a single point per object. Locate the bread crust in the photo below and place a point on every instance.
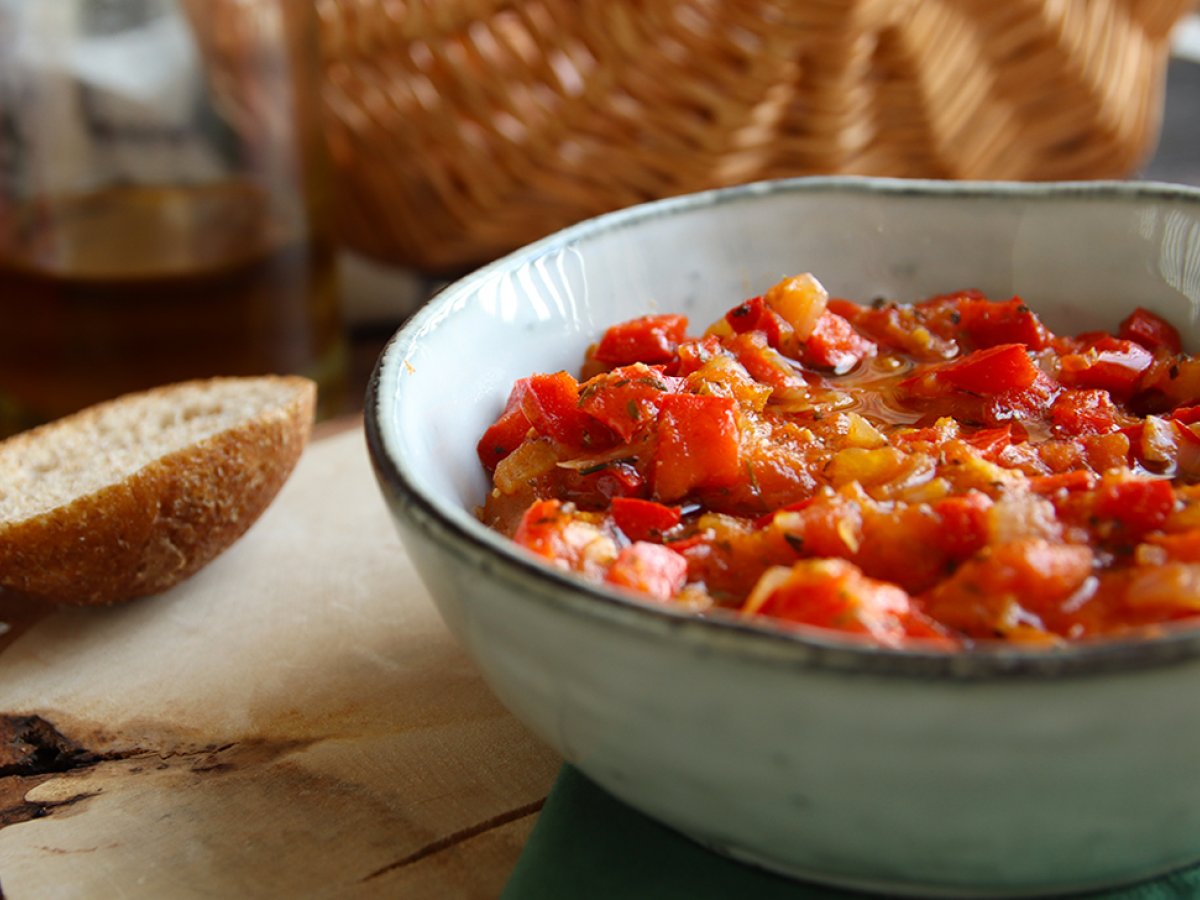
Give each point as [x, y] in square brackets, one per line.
[161, 524]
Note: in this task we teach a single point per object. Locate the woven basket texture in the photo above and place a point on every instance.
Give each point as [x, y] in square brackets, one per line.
[461, 129]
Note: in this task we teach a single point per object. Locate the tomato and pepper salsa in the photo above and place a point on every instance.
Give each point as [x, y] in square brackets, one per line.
[948, 470]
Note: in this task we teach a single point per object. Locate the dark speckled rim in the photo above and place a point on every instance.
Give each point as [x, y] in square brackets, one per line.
[471, 543]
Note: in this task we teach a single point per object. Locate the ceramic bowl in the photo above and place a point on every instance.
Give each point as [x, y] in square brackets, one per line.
[991, 772]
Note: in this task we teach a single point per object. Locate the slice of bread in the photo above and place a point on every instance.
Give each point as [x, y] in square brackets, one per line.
[129, 497]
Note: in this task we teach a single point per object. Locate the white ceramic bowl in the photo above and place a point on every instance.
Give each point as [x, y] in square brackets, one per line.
[997, 772]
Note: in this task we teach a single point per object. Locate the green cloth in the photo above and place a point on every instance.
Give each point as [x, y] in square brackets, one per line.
[589, 846]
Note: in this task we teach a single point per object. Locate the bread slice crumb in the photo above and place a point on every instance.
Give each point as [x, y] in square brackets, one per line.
[130, 496]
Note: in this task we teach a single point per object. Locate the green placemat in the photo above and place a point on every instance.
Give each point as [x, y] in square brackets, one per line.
[589, 846]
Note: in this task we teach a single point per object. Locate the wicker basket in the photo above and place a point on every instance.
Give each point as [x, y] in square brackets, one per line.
[461, 129]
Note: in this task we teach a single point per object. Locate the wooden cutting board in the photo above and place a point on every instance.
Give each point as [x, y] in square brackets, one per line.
[293, 721]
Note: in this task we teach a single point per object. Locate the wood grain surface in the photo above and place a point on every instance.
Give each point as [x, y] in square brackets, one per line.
[293, 721]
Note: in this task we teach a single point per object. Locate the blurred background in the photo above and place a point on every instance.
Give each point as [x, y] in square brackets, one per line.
[191, 188]
[1150, 106]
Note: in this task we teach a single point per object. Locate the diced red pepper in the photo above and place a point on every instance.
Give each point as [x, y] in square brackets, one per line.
[954, 298]
[964, 523]
[992, 371]
[767, 518]
[900, 328]
[834, 344]
[1151, 331]
[764, 363]
[692, 355]
[1182, 547]
[989, 324]
[618, 478]
[755, 315]
[697, 445]
[1187, 432]
[1077, 412]
[847, 309]
[927, 435]
[1187, 415]
[649, 339]
[551, 403]
[643, 520]
[1075, 480]
[1022, 404]
[651, 569]
[626, 399]
[1139, 504]
[1111, 364]
[507, 432]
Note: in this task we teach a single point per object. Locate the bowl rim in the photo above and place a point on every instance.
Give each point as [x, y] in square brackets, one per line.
[460, 533]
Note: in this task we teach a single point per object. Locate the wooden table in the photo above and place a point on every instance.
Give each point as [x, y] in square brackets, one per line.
[293, 721]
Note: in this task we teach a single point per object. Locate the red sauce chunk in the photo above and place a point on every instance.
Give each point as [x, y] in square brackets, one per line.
[948, 471]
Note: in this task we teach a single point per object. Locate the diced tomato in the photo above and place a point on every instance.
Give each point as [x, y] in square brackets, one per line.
[652, 569]
[643, 520]
[992, 371]
[1151, 331]
[1139, 504]
[829, 525]
[1010, 586]
[1076, 412]
[554, 530]
[697, 445]
[963, 519]
[1111, 364]
[834, 344]
[649, 339]
[626, 399]
[989, 324]
[1163, 593]
[991, 442]
[833, 593]
[1105, 451]
[507, 432]
[551, 403]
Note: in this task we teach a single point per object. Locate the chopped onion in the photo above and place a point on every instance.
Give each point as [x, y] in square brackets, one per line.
[801, 301]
